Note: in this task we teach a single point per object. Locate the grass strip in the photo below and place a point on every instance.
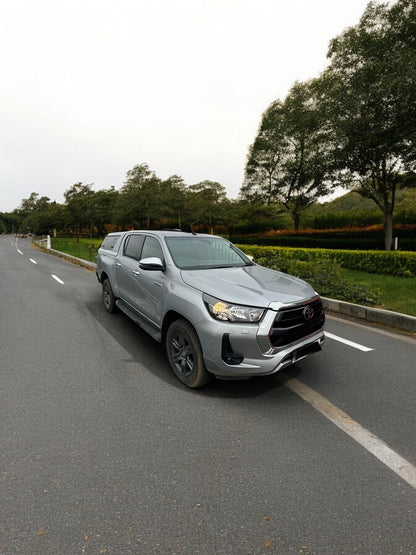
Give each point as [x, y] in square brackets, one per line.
[396, 293]
[86, 249]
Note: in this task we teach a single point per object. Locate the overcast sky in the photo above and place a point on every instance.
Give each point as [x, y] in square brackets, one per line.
[90, 88]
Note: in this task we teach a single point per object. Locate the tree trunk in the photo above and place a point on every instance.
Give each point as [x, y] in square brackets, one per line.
[296, 220]
[388, 231]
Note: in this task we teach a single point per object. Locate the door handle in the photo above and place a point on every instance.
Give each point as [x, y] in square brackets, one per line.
[136, 272]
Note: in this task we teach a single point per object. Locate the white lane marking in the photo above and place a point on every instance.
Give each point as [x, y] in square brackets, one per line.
[347, 342]
[366, 439]
[19, 251]
[32, 261]
[56, 278]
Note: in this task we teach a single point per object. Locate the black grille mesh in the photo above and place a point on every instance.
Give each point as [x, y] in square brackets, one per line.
[292, 324]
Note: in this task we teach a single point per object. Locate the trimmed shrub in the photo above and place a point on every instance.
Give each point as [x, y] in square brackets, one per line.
[369, 238]
[325, 276]
[393, 263]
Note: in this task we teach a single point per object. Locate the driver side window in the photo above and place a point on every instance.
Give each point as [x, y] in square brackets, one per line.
[152, 248]
[133, 245]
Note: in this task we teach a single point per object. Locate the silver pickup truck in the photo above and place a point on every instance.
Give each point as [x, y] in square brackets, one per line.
[216, 312]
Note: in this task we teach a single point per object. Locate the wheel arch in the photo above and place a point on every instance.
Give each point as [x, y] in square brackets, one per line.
[170, 317]
[102, 276]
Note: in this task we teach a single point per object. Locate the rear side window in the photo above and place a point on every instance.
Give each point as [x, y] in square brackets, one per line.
[133, 246]
[110, 242]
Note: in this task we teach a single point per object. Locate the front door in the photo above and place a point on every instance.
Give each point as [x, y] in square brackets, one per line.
[144, 290]
[153, 282]
[128, 271]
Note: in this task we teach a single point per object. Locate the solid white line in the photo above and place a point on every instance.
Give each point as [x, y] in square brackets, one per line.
[32, 261]
[366, 439]
[347, 342]
[56, 278]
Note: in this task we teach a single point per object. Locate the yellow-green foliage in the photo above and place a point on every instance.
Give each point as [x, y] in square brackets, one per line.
[85, 249]
[394, 263]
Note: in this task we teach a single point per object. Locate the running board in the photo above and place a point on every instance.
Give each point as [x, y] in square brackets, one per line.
[138, 319]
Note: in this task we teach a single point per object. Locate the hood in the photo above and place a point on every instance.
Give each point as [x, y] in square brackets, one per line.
[249, 285]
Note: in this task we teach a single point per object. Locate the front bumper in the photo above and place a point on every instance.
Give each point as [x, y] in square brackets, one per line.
[235, 351]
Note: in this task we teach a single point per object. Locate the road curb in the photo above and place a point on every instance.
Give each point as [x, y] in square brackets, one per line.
[378, 316]
[79, 261]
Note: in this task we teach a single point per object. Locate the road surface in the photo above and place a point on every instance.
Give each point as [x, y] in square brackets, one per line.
[104, 451]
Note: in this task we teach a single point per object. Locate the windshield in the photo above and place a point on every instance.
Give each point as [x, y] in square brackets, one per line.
[195, 252]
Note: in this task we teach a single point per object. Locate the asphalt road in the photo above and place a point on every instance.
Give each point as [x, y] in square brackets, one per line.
[104, 451]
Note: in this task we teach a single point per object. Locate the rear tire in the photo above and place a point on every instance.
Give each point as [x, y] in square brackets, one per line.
[109, 299]
[185, 354]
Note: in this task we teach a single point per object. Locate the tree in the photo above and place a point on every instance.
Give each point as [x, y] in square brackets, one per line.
[39, 216]
[265, 156]
[3, 228]
[369, 94]
[104, 202]
[232, 213]
[204, 201]
[28, 205]
[138, 203]
[288, 161]
[11, 221]
[80, 207]
[173, 194]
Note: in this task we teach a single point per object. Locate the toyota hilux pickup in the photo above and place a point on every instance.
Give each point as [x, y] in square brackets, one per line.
[216, 312]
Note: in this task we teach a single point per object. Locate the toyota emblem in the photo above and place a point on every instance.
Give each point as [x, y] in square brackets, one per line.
[308, 313]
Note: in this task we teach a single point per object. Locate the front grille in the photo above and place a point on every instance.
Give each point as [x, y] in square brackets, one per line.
[292, 324]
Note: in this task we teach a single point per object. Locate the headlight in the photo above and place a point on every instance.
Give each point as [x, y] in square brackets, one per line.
[221, 310]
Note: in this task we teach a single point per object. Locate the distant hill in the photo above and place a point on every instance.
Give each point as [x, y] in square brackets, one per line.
[350, 201]
[353, 203]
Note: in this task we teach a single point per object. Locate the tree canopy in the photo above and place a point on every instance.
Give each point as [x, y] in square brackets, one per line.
[354, 124]
[369, 94]
[287, 162]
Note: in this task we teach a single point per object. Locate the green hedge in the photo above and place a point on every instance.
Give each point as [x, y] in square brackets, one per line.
[394, 263]
[332, 239]
[324, 241]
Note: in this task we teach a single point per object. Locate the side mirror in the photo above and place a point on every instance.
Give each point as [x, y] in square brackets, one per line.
[152, 263]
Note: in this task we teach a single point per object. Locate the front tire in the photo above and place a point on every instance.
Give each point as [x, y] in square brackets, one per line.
[109, 299]
[185, 354]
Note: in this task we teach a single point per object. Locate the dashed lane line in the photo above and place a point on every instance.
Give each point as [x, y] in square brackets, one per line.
[348, 342]
[56, 278]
